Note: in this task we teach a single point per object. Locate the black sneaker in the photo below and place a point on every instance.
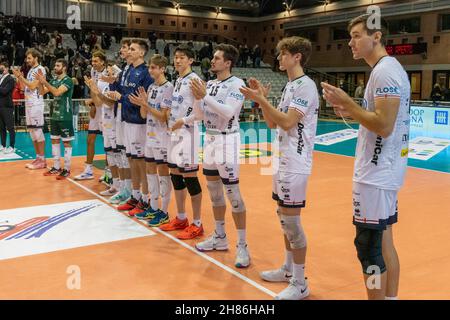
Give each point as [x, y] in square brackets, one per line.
[63, 175]
[52, 172]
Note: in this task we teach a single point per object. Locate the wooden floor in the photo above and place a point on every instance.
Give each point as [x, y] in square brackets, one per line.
[160, 267]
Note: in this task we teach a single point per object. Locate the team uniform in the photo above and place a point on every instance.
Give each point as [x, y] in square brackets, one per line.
[34, 102]
[118, 107]
[135, 125]
[95, 124]
[108, 120]
[222, 139]
[184, 143]
[61, 111]
[292, 157]
[380, 163]
[157, 138]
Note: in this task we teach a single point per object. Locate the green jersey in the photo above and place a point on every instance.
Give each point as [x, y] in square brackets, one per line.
[61, 107]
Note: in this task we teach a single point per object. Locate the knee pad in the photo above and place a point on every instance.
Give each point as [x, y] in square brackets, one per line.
[293, 231]
[111, 158]
[216, 193]
[118, 159]
[37, 134]
[368, 243]
[235, 198]
[193, 185]
[125, 163]
[177, 181]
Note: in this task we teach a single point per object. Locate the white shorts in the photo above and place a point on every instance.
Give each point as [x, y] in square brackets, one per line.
[221, 156]
[134, 140]
[373, 207]
[109, 135]
[34, 116]
[182, 150]
[95, 125]
[120, 138]
[158, 155]
[289, 189]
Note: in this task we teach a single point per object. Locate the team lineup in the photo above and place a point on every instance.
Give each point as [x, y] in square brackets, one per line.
[152, 141]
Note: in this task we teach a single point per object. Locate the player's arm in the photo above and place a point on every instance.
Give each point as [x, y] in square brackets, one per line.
[285, 121]
[56, 92]
[24, 82]
[42, 90]
[381, 120]
[196, 115]
[226, 110]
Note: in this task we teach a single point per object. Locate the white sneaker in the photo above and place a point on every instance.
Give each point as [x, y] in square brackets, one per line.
[295, 291]
[9, 150]
[242, 256]
[278, 275]
[2, 149]
[85, 175]
[109, 192]
[213, 242]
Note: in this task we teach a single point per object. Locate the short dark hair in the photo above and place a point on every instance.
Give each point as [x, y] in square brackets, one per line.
[100, 55]
[363, 19]
[159, 60]
[230, 53]
[188, 51]
[63, 62]
[4, 63]
[142, 43]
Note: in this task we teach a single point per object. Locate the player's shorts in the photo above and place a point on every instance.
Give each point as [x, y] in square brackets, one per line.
[373, 207]
[61, 130]
[95, 125]
[289, 189]
[134, 140]
[34, 116]
[157, 155]
[221, 156]
[182, 151]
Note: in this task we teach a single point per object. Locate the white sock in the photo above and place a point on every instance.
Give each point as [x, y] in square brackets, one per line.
[41, 156]
[298, 272]
[220, 228]
[288, 260]
[153, 186]
[181, 215]
[56, 152]
[127, 183]
[197, 222]
[117, 184]
[145, 198]
[390, 298]
[241, 237]
[136, 194]
[165, 189]
[88, 167]
[67, 158]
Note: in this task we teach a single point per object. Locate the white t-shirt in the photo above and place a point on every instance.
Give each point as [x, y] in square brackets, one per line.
[382, 161]
[159, 98]
[293, 149]
[182, 99]
[32, 97]
[220, 95]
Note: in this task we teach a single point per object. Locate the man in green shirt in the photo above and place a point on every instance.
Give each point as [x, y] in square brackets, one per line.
[61, 123]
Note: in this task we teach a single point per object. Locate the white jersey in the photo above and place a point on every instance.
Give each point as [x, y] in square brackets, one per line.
[159, 98]
[295, 147]
[32, 97]
[182, 98]
[382, 161]
[225, 92]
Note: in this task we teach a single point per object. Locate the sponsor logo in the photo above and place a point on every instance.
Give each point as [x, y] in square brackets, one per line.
[416, 117]
[441, 117]
[387, 90]
[237, 96]
[300, 143]
[377, 150]
[301, 102]
[404, 152]
[180, 99]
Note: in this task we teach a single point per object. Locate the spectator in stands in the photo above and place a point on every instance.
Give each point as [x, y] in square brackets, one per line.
[118, 33]
[9, 36]
[359, 91]
[343, 85]
[34, 35]
[256, 55]
[436, 93]
[8, 51]
[245, 55]
[7, 84]
[59, 52]
[44, 38]
[19, 57]
[105, 41]
[167, 51]
[84, 52]
[92, 40]
[446, 95]
[152, 38]
[205, 65]
[79, 38]
[58, 37]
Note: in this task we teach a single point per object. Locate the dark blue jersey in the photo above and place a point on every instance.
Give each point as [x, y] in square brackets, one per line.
[137, 77]
[117, 85]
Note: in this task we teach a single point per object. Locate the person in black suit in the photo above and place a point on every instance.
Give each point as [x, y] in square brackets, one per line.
[7, 84]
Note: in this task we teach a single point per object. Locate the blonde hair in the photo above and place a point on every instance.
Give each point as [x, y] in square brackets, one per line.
[159, 60]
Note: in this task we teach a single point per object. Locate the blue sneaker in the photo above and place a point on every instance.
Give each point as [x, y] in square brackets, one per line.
[120, 197]
[160, 217]
[148, 214]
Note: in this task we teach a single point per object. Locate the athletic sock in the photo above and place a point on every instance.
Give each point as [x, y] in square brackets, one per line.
[288, 260]
[165, 189]
[56, 153]
[241, 237]
[136, 194]
[298, 272]
[197, 222]
[153, 186]
[67, 158]
[181, 215]
[220, 228]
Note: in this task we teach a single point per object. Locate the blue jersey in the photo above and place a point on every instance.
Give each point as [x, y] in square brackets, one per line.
[136, 77]
[117, 85]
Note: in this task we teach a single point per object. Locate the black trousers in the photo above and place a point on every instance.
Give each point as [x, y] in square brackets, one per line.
[7, 124]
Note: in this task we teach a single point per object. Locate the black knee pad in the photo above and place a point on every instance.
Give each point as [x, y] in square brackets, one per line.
[193, 185]
[177, 181]
[368, 243]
